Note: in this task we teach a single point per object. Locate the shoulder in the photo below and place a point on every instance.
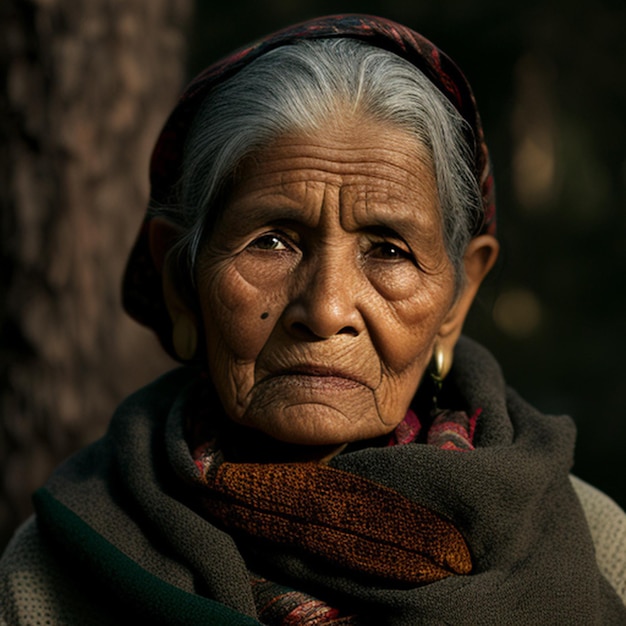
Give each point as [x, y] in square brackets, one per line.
[607, 523]
[35, 588]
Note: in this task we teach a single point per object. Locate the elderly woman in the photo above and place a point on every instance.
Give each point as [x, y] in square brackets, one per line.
[331, 452]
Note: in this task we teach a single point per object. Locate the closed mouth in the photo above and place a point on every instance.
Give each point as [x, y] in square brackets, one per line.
[318, 375]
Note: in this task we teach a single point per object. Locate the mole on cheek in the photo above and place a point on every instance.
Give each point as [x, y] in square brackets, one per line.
[265, 315]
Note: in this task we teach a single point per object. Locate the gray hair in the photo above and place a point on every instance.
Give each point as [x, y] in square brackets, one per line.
[297, 88]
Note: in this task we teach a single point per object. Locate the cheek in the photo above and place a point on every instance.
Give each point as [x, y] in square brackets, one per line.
[405, 333]
[393, 284]
[240, 309]
[405, 343]
[234, 316]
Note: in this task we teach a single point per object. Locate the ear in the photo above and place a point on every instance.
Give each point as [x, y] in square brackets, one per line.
[479, 258]
[162, 236]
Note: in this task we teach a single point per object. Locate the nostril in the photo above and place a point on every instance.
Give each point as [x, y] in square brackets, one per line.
[303, 331]
[349, 330]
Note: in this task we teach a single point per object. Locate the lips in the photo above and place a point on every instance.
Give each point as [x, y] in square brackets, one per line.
[318, 375]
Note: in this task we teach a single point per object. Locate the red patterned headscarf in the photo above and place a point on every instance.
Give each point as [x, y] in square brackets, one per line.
[142, 291]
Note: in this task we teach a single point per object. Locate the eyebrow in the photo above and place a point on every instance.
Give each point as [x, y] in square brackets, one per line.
[381, 230]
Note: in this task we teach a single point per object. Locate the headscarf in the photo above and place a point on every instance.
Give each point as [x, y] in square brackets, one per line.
[142, 288]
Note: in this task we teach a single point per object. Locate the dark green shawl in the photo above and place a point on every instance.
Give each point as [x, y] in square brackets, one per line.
[123, 518]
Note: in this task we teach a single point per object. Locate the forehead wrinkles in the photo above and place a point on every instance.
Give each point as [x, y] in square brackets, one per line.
[285, 170]
[408, 212]
[337, 165]
[373, 171]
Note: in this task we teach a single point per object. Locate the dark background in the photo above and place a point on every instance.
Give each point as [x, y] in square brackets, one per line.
[549, 80]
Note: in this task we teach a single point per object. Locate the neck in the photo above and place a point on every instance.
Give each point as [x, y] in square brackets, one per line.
[242, 445]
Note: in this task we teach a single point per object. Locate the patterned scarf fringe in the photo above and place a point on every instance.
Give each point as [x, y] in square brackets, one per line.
[278, 605]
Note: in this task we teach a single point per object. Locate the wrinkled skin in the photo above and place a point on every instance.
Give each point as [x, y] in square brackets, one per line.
[325, 284]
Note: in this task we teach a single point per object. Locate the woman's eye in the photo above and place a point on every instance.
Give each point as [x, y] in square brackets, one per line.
[269, 242]
[390, 251]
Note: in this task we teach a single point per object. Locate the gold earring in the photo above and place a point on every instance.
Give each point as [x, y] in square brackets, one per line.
[185, 337]
[439, 368]
[440, 364]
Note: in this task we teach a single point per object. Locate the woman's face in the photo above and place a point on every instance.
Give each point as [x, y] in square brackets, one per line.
[325, 283]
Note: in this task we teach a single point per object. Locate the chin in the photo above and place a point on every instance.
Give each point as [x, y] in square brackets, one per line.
[316, 425]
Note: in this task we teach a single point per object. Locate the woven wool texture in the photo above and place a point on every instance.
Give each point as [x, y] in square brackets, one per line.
[123, 519]
[607, 524]
[341, 516]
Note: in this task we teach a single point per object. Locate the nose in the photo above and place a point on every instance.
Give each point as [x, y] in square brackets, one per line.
[326, 301]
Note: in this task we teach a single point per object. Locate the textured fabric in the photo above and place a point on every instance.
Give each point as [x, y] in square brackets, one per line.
[338, 516]
[453, 430]
[352, 517]
[142, 292]
[40, 585]
[366, 515]
[31, 581]
[36, 590]
[607, 524]
[282, 606]
[122, 520]
[406, 431]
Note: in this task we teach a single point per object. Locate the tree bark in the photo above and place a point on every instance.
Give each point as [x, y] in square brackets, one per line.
[87, 85]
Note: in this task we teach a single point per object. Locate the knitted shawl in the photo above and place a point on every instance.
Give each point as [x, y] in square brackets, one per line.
[132, 521]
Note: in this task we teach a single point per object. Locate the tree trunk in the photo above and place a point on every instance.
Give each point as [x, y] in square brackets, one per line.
[87, 85]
